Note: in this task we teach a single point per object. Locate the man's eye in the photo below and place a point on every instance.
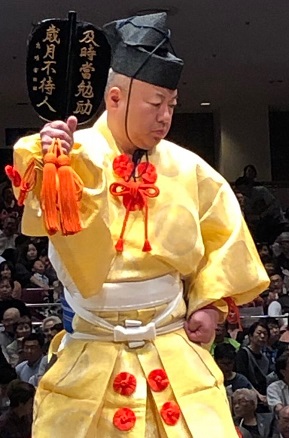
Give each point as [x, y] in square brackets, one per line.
[155, 104]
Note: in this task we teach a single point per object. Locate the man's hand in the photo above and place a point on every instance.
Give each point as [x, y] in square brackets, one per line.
[200, 327]
[58, 129]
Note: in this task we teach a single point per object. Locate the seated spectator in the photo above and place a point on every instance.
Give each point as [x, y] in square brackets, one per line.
[10, 318]
[270, 265]
[49, 270]
[7, 271]
[7, 301]
[33, 353]
[263, 212]
[278, 392]
[23, 328]
[250, 172]
[233, 326]
[244, 409]
[8, 234]
[8, 204]
[281, 249]
[264, 250]
[283, 423]
[48, 325]
[221, 336]
[24, 265]
[38, 269]
[7, 374]
[271, 348]
[16, 422]
[253, 363]
[225, 356]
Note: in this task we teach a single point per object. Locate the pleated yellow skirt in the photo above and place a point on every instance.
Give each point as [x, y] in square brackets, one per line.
[169, 388]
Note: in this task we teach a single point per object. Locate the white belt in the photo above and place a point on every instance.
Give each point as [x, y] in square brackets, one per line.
[133, 331]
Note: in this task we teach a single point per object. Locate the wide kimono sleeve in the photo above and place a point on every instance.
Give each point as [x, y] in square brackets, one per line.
[91, 250]
[231, 266]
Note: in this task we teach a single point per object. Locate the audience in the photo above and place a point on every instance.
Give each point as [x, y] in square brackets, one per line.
[33, 353]
[283, 423]
[253, 363]
[244, 408]
[16, 422]
[278, 392]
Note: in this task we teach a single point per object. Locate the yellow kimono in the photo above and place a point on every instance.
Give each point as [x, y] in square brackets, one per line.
[100, 388]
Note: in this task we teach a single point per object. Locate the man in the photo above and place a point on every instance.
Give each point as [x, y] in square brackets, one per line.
[278, 392]
[8, 234]
[10, 318]
[129, 366]
[33, 353]
[262, 210]
[283, 423]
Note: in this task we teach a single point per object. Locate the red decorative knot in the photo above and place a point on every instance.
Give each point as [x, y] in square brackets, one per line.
[124, 419]
[134, 192]
[170, 413]
[158, 380]
[233, 310]
[124, 384]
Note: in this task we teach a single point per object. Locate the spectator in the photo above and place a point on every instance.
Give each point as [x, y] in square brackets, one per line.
[254, 364]
[283, 423]
[10, 317]
[263, 213]
[7, 301]
[38, 270]
[24, 266]
[23, 328]
[17, 421]
[48, 327]
[7, 271]
[8, 204]
[7, 374]
[250, 172]
[244, 408]
[225, 356]
[33, 353]
[278, 392]
[8, 234]
[264, 249]
[221, 336]
[49, 270]
[271, 348]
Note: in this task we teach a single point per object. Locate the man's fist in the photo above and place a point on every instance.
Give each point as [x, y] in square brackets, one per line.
[200, 327]
[58, 129]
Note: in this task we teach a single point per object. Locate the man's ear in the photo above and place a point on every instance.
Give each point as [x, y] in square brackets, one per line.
[113, 97]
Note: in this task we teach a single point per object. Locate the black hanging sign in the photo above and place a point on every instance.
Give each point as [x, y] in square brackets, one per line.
[67, 68]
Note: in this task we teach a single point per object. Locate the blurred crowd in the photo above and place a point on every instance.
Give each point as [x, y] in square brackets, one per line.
[251, 351]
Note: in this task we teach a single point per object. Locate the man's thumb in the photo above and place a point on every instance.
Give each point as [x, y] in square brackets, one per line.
[72, 123]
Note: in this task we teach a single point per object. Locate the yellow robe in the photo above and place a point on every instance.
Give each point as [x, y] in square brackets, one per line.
[195, 228]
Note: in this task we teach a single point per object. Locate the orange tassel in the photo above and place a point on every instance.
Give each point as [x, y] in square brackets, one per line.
[69, 193]
[48, 196]
[147, 246]
[232, 307]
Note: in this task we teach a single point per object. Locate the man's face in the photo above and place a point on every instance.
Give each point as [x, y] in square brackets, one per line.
[276, 284]
[48, 330]
[150, 111]
[32, 351]
[274, 332]
[10, 317]
[5, 290]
